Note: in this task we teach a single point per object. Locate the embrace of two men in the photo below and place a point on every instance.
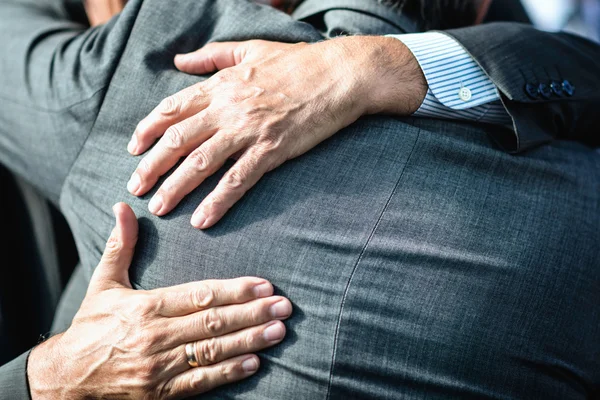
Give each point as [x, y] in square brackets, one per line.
[427, 202]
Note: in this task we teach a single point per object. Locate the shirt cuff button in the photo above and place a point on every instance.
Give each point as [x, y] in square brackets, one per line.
[465, 94]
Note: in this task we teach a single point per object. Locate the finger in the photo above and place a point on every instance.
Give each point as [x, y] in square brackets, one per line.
[212, 351]
[242, 176]
[212, 57]
[200, 380]
[112, 271]
[192, 297]
[178, 141]
[199, 165]
[170, 111]
[220, 321]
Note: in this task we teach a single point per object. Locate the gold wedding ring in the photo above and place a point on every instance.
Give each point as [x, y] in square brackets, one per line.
[190, 354]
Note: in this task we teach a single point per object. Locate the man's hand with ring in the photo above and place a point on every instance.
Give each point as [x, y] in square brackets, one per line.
[125, 343]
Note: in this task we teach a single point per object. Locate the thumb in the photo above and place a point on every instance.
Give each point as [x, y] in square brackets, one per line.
[112, 271]
[212, 57]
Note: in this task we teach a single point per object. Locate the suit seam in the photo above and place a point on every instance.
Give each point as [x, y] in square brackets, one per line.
[57, 110]
[358, 260]
[87, 136]
[105, 88]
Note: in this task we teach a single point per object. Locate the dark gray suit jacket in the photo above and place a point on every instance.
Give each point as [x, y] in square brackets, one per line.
[134, 50]
[517, 57]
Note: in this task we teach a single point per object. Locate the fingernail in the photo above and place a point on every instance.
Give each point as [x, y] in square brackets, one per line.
[250, 365]
[281, 309]
[132, 146]
[134, 183]
[155, 204]
[263, 290]
[274, 332]
[198, 219]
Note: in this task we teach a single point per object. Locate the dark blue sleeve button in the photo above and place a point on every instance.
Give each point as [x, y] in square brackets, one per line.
[532, 91]
[545, 90]
[557, 88]
[568, 88]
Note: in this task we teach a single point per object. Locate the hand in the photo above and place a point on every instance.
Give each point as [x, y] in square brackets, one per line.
[125, 343]
[101, 11]
[270, 103]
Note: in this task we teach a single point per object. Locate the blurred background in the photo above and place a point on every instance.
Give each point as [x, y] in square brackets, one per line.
[581, 17]
[40, 254]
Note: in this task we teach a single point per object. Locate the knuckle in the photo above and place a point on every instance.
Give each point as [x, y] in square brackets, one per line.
[254, 159]
[249, 115]
[207, 352]
[194, 382]
[248, 74]
[197, 381]
[272, 154]
[227, 371]
[167, 190]
[169, 107]
[199, 160]
[145, 379]
[217, 203]
[174, 137]
[249, 341]
[258, 311]
[246, 288]
[144, 168]
[223, 76]
[148, 372]
[151, 342]
[271, 142]
[163, 391]
[159, 304]
[113, 245]
[235, 179]
[212, 322]
[203, 297]
[198, 94]
[140, 307]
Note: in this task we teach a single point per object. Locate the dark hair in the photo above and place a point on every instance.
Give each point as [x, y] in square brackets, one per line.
[438, 14]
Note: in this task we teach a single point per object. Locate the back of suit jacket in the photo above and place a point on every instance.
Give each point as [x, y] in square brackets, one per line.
[422, 261]
[419, 257]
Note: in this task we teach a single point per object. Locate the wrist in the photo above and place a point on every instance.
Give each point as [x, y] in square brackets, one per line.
[392, 79]
[45, 370]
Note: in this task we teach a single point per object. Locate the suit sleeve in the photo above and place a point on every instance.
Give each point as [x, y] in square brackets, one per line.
[549, 82]
[13, 379]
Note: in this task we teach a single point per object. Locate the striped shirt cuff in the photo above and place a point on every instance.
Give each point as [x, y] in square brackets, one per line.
[458, 87]
[490, 113]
